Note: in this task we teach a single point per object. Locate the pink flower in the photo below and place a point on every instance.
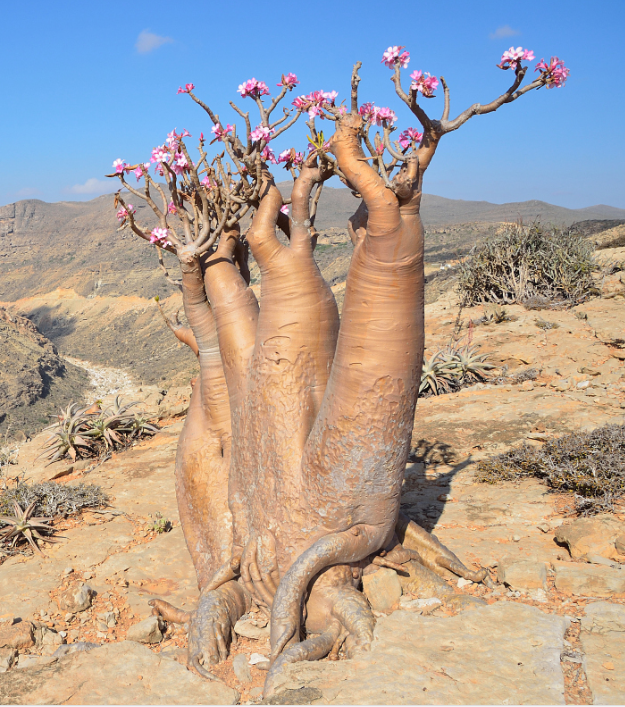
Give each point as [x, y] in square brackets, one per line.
[409, 136]
[380, 149]
[424, 83]
[284, 209]
[261, 132]
[376, 115]
[394, 55]
[290, 81]
[219, 132]
[367, 110]
[159, 154]
[315, 102]
[284, 156]
[180, 163]
[555, 72]
[172, 208]
[122, 214]
[159, 235]
[188, 87]
[267, 155]
[207, 182]
[387, 114]
[119, 166]
[512, 58]
[253, 88]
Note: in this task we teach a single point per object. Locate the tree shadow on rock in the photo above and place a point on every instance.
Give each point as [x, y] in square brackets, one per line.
[424, 494]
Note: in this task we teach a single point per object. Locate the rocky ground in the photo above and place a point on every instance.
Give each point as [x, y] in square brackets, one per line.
[549, 632]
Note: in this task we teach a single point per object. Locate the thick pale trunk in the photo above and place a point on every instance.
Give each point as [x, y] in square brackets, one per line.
[295, 343]
[203, 456]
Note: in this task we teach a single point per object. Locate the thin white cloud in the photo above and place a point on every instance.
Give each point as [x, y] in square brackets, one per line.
[94, 186]
[148, 41]
[503, 32]
[26, 192]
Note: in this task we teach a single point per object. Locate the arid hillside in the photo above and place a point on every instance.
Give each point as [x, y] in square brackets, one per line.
[34, 380]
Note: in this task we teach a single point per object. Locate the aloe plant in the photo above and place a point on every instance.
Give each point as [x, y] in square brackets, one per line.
[452, 368]
[23, 524]
[91, 431]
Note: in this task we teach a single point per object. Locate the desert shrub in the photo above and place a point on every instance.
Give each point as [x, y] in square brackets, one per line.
[525, 262]
[452, 368]
[589, 464]
[52, 499]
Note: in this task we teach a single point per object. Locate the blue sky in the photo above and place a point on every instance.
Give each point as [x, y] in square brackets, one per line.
[84, 83]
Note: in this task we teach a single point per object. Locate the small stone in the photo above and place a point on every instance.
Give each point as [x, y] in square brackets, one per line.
[19, 635]
[419, 605]
[583, 384]
[248, 628]
[382, 588]
[147, 631]
[101, 625]
[74, 648]
[463, 582]
[34, 661]
[67, 571]
[543, 527]
[7, 659]
[69, 617]
[257, 658]
[527, 385]
[608, 665]
[516, 538]
[256, 692]
[51, 638]
[619, 544]
[241, 668]
[87, 575]
[522, 575]
[76, 598]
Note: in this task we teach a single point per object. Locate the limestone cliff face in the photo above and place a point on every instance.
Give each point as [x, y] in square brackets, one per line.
[34, 380]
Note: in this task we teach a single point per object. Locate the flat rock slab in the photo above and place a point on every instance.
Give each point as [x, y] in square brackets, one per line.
[589, 580]
[115, 674]
[501, 654]
[603, 640]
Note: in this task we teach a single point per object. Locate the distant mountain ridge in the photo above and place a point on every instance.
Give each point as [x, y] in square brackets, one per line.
[337, 205]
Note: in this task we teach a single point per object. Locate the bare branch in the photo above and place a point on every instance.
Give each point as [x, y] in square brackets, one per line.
[355, 82]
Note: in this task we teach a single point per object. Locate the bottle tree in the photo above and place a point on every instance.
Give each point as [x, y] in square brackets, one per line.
[291, 459]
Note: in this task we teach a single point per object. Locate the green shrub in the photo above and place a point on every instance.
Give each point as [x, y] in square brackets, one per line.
[589, 464]
[525, 262]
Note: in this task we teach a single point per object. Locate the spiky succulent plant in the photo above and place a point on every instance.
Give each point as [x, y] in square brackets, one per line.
[452, 368]
[24, 525]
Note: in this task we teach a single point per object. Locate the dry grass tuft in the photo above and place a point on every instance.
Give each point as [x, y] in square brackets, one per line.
[589, 464]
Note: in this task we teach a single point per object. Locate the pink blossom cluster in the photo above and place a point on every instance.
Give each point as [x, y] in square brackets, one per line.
[290, 81]
[188, 87]
[376, 115]
[557, 73]
[220, 132]
[207, 182]
[123, 212]
[292, 157]
[119, 166]
[173, 138]
[423, 83]
[284, 209]
[268, 155]
[409, 136]
[262, 132]
[138, 172]
[315, 102]
[253, 88]
[171, 208]
[159, 236]
[394, 55]
[513, 57]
